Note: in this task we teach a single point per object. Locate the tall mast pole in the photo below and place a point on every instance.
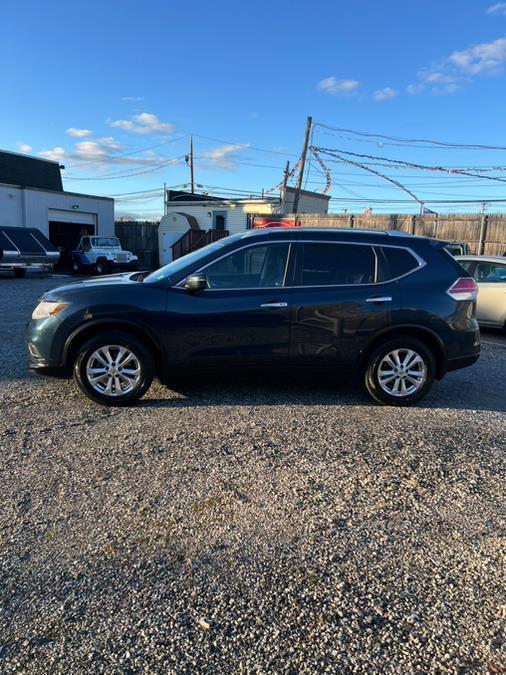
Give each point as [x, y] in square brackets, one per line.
[192, 183]
[302, 164]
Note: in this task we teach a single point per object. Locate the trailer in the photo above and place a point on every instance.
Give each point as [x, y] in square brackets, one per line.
[23, 248]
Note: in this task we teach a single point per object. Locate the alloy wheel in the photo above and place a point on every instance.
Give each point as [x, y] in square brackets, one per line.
[113, 370]
[402, 372]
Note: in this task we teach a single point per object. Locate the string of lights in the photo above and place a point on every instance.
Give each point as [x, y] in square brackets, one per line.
[290, 176]
[411, 165]
[326, 171]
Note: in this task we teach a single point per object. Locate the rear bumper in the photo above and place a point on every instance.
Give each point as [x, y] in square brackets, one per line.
[461, 361]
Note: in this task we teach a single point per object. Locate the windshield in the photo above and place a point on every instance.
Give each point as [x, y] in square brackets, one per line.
[177, 265]
[103, 242]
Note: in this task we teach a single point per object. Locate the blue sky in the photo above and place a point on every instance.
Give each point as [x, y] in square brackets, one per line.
[113, 89]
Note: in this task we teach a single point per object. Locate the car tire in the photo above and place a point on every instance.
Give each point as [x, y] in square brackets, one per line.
[76, 267]
[132, 374]
[400, 371]
[19, 272]
[102, 267]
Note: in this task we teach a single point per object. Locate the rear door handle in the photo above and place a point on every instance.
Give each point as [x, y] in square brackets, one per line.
[273, 305]
[380, 298]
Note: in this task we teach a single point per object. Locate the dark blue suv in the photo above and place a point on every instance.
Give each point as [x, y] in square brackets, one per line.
[396, 309]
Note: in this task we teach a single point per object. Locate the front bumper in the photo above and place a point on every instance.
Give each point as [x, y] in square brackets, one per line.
[44, 344]
[132, 265]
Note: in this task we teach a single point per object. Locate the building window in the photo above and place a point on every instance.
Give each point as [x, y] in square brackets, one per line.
[219, 220]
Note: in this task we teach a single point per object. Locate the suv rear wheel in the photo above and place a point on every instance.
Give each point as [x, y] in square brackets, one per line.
[114, 369]
[400, 371]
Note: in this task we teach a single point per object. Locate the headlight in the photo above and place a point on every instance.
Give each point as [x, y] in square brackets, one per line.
[46, 309]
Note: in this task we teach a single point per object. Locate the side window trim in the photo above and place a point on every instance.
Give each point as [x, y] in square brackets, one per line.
[293, 269]
[288, 265]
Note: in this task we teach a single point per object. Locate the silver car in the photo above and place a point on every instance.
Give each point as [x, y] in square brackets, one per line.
[489, 272]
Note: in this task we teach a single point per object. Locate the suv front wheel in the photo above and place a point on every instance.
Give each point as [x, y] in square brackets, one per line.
[114, 369]
[400, 371]
[102, 266]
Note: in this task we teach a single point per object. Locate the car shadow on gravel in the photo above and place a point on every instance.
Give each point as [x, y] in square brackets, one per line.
[322, 390]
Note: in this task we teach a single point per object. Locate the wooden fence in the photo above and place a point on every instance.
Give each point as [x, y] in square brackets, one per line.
[485, 234]
[141, 238]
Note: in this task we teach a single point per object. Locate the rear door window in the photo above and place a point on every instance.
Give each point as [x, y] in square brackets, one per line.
[396, 262]
[329, 264]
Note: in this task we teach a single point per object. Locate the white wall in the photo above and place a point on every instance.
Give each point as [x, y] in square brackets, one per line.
[27, 207]
[237, 214]
[11, 206]
[309, 202]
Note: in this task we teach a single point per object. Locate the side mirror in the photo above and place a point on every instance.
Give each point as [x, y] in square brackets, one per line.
[195, 284]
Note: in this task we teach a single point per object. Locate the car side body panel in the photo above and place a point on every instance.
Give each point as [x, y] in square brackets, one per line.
[267, 327]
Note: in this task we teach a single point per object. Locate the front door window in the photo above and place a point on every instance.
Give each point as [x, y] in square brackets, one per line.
[253, 267]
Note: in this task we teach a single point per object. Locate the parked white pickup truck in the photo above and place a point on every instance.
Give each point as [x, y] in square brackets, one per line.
[101, 255]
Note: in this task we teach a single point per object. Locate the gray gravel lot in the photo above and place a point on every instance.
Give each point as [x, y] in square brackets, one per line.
[249, 525]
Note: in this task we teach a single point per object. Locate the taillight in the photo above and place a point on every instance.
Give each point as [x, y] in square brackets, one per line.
[464, 288]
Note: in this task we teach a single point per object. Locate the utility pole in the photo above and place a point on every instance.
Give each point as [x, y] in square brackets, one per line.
[302, 164]
[192, 184]
[287, 174]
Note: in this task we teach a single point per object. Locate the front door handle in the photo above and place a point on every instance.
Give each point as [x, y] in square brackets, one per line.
[273, 305]
[380, 298]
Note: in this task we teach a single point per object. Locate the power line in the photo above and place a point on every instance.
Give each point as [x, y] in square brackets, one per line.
[465, 146]
[412, 165]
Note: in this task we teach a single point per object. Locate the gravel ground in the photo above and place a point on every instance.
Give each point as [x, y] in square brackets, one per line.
[249, 526]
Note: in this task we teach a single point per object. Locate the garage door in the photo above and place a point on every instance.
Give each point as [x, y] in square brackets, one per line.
[74, 216]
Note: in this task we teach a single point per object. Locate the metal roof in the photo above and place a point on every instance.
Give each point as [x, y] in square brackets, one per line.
[26, 171]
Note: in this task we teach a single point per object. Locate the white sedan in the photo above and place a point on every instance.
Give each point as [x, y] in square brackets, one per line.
[489, 273]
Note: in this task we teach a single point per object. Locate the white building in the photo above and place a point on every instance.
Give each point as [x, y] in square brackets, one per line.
[32, 195]
[186, 211]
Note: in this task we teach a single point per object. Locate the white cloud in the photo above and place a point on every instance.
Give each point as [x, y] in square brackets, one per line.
[460, 67]
[331, 85]
[78, 133]
[132, 99]
[435, 77]
[99, 150]
[101, 153]
[483, 59]
[384, 94]
[414, 89]
[24, 147]
[143, 123]
[57, 154]
[142, 214]
[498, 8]
[445, 89]
[224, 157]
